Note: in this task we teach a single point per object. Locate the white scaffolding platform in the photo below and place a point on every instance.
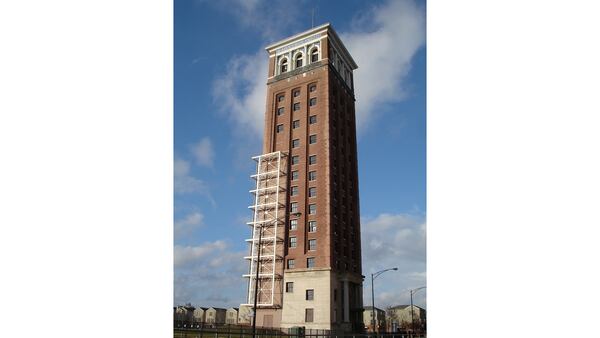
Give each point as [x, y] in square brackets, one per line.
[268, 218]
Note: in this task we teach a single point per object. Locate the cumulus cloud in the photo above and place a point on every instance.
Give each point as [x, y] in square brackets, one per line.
[241, 92]
[394, 240]
[198, 269]
[188, 224]
[383, 43]
[203, 152]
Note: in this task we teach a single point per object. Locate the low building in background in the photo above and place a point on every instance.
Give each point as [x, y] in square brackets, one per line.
[380, 319]
[232, 316]
[184, 313]
[199, 314]
[399, 318]
[215, 315]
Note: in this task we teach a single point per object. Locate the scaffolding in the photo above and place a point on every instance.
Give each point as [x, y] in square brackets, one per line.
[267, 229]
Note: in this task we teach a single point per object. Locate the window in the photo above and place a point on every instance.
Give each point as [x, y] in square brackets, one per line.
[312, 139]
[294, 191]
[299, 60]
[289, 287]
[280, 111]
[312, 102]
[283, 67]
[312, 159]
[310, 294]
[291, 263]
[334, 294]
[280, 98]
[312, 209]
[296, 92]
[312, 119]
[295, 143]
[312, 175]
[312, 244]
[294, 175]
[294, 207]
[308, 315]
[296, 124]
[312, 226]
[293, 224]
[295, 159]
[310, 262]
[312, 88]
[279, 128]
[312, 192]
[314, 55]
[296, 106]
[292, 242]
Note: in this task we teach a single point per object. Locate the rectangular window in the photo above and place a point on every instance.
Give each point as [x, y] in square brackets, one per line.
[280, 98]
[295, 159]
[312, 139]
[312, 159]
[312, 88]
[294, 191]
[280, 111]
[308, 315]
[291, 263]
[310, 294]
[312, 209]
[312, 192]
[293, 242]
[312, 244]
[312, 175]
[296, 106]
[312, 226]
[296, 124]
[295, 143]
[294, 207]
[310, 262]
[294, 175]
[289, 287]
[312, 119]
[279, 128]
[293, 224]
[312, 102]
[296, 93]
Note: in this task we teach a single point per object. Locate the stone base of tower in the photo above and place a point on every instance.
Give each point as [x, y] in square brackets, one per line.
[265, 317]
[336, 303]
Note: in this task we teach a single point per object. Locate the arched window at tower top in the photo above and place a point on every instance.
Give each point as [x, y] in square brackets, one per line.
[314, 55]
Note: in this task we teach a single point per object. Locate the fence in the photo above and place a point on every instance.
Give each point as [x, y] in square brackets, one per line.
[200, 330]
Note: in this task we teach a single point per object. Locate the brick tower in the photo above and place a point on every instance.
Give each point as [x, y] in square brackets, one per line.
[306, 222]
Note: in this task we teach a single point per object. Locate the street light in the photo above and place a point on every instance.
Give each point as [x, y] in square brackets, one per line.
[373, 276]
[256, 282]
[412, 318]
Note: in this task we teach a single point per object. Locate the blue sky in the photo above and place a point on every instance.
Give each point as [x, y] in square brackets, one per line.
[220, 75]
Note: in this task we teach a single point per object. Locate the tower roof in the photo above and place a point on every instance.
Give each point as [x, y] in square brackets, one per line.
[324, 29]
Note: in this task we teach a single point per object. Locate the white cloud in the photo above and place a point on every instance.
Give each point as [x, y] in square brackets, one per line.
[394, 240]
[203, 152]
[241, 92]
[198, 269]
[384, 54]
[184, 182]
[382, 42]
[188, 224]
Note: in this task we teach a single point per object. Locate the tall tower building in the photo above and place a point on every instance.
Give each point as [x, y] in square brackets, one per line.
[306, 225]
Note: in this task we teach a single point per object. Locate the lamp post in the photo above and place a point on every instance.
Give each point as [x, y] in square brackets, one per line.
[412, 318]
[256, 283]
[373, 276]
